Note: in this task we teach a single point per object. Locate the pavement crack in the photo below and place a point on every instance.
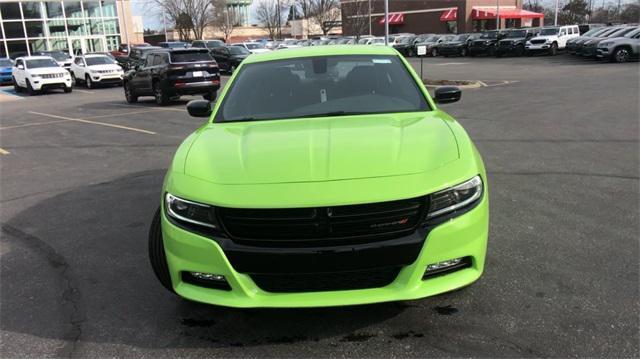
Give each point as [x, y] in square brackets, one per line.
[70, 294]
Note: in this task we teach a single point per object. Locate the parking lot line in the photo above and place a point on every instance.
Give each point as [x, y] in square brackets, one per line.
[93, 122]
[84, 91]
[4, 152]
[124, 113]
[32, 124]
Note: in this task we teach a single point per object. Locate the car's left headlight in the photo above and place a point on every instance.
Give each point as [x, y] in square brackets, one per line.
[455, 198]
[190, 213]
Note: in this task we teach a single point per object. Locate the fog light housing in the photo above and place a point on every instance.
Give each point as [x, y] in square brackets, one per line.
[207, 280]
[445, 267]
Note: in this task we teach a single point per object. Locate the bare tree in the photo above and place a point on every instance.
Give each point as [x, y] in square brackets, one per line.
[189, 16]
[269, 16]
[223, 19]
[326, 13]
[355, 17]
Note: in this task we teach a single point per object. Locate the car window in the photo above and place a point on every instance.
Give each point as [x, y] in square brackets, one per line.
[324, 85]
[78, 61]
[19, 62]
[149, 60]
[98, 60]
[190, 56]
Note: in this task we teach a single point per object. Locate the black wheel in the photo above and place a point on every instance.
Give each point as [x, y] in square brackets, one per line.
[463, 52]
[129, 94]
[74, 80]
[16, 87]
[527, 53]
[157, 257]
[472, 54]
[520, 50]
[161, 96]
[621, 55]
[553, 51]
[491, 51]
[434, 52]
[30, 89]
[211, 96]
[88, 82]
[68, 89]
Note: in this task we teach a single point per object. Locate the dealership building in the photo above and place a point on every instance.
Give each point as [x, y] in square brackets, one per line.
[435, 16]
[71, 26]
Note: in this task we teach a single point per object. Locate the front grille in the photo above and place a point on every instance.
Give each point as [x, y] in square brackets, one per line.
[320, 282]
[320, 226]
[106, 71]
[538, 42]
[505, 43]
[51, 76]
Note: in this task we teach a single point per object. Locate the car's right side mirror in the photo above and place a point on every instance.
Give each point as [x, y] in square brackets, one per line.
[20, 67]
[447, 94]
[199, 108]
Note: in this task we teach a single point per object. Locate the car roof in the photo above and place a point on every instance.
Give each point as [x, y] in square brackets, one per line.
[330, 50]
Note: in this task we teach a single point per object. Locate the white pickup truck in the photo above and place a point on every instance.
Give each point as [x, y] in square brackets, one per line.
[552, 39]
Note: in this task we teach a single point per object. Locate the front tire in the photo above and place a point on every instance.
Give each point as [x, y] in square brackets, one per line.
[434, 52]
[553, 51]
[463, 52]
[520, 51]
[129, 93]
[68, 89]
[30, 89]
[621, 55]
[16, 87]
[88, 82]
[157, 256]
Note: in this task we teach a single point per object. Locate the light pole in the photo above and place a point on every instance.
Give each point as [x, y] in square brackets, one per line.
[126, 32]
[498, 15]
[164, 24]
[386, 22]
[369, 17]
[555, 20]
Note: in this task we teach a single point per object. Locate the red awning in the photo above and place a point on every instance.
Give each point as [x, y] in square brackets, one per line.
[395, 18]
[485, 14]
[449, 15]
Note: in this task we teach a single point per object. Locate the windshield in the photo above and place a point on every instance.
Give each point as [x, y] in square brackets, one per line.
[431, 39]
[321, 86]
[621, 32]
[253, 46]
[378, 41]
[5, 63]
[214, 43]
[460, 38]
[362, 41]
[549, 31]
[58, 55]
[405, 40]
[98, 60]
[237, 50]
[36, 64]
[633, 33]
[517, 34]
[489, 35]
[592, 31]
[190, 56]
[176, 45]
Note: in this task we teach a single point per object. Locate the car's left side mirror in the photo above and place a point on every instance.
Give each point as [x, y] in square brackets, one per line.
[448, 94]
[199, 108]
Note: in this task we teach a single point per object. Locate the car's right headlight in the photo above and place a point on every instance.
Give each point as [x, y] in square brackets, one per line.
[455, 198]
[190, 213]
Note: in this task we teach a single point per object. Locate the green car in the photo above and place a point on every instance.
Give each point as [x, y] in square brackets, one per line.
[324, 176]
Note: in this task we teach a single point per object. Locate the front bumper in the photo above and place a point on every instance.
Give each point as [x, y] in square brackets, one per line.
[603, 52]
[538, 47]
[462, 236]
[44, 84]
[588, 51]
[107, 78]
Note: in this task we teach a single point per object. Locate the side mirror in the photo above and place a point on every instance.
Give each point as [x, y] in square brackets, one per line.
[20, 67]
[448, 94]
[199, 108]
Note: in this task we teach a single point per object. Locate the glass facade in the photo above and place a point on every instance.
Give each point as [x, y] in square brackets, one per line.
[69, 25]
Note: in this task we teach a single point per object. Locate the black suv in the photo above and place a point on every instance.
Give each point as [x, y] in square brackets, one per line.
[169, 73]
[136, 56]
[514, 41]
[486, 43]
[458, 46]
[229, 57]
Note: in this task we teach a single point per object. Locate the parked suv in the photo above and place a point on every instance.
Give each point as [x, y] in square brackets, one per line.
[432, 43]
[136, 56]
[96, 69]
[590, 47]
[458, 46]
[229, 57]
[620, 49]
[404, 45]
[173, 72]
[37, 73]
[514, 42]
[486, 43]
[62, 58]
[552, 39]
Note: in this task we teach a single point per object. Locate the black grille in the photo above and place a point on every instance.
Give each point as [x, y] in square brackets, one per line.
[320, 282]
[538, 41]
[323, 225]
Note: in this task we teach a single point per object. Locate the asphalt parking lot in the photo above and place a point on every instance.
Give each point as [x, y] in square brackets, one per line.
[80, 181]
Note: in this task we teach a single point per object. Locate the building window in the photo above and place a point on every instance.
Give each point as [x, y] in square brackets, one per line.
[31, 10]
[37, 45]
[10, 11]
[95, 27]
[3, 51]
[54, 9]
[17, 48]
[59, 44]
[56, 28]
[76, 27]
[109, 8]
[111, 27]
[72, 9]
[91, 8]
[13, 30]
[113, 43]
[34, 28]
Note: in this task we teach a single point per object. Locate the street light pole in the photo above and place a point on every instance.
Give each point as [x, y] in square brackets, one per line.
[164, 24]
[126, 32]
[386, 22]
[498, 15]
[369, 17]
[555, 20]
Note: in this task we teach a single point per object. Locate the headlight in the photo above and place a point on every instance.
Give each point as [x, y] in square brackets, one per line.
[455, 198]
[190, 212]
[528, 42]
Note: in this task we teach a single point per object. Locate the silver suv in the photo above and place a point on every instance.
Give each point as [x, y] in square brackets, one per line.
[620, 49]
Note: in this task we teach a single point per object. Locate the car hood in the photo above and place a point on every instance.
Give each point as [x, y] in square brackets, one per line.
[111, 67]
[453, 43]
[512, 39]
[321, 149]
[259, 51]
[48, 70]
[546, 37]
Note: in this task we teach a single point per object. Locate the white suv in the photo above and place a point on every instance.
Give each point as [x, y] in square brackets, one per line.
[552, 39]
[96, 69]
[36, 73]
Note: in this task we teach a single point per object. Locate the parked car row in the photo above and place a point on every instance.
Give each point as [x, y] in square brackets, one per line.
[615, 43]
